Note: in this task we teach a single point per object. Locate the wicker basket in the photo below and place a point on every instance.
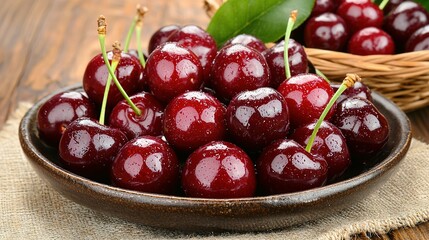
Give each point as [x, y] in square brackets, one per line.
[403, 78]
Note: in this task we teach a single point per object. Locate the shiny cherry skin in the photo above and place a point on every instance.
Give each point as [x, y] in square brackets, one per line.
[219, 170]
[172, 70]
[146, 164]
[238, 68]
[258, 117]
[129, 73]
[194, 119]
[366, 130]
[248, 41]
[298, 62]
[306, 96]
[284, 167]
[326, 31]
[148, 123]
[359, 14]
[371, 41]
[329, 144]
[404, 20]
[199, 42]
[419, 40]
[359, 89]
[323, 6]
[392, 4]
[59, 111]
[161, 36]
[88, 148]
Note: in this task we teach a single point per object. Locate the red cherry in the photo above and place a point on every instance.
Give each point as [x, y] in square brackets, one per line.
[298, 61]
[284, 166]
[366, 130]
[326, 31]
[248, 41]
[172, 70]
[199, 42]
[161, 36]
[146, 164]
[370, 41]
[193, 119]
[307, 95]
[359, 89]
[129, 72]
[323, 6]
[359, 14]
[59, 111]
[238, 68]
[148, 123]
[258, 117]
[404, 20]
[329, 144]
[219, 170]
[88, 148]
[419, 40]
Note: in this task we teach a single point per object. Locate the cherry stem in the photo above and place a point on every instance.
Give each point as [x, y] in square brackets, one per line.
[348, 81]
[115, 61]
[383, 4]
[129, 34]
[102, 38]
[141, 11]
[320, 73]
[289, 27]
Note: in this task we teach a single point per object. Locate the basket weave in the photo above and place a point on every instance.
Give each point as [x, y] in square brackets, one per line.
[403, 78]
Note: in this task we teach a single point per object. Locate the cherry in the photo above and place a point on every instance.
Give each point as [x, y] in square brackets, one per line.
[88, 148]
[193, 119]
[366, 130]
[359, 89]
[219, 170]
[307, 96]
[248, 41]
[404, 20]
[238, 68]
[359, 14]
[298, 61]
[326, 31]
[392, 4]
[329, 144]
[323, 6]
[172, 70]
[199, 42]
[419, 40]
[59, 111]
[258, 117]
[370, 41]
[129, 72]
[285, 166]
[148, 123]
[146, 164]
[161, 36]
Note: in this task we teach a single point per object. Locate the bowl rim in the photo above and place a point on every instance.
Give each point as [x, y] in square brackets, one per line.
[284, 200]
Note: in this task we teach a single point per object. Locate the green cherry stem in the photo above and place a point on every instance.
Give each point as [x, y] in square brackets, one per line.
[141, 11]
[289, 27]
[348, 81]
[383, 4]
[102, 38]
[130, 32]
[320, 73]
[115, 61]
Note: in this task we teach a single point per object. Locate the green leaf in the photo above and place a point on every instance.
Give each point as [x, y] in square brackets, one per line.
[264, 19]
[424, 3]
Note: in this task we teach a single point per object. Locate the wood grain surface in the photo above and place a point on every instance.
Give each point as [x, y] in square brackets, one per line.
[46, 44]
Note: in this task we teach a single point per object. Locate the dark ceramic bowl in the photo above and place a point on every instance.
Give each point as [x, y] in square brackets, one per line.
[196, 214]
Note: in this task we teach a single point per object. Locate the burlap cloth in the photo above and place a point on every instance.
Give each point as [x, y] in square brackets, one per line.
[30, 209]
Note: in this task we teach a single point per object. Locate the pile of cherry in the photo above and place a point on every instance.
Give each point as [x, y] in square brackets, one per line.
[213, 123]
[363, 28]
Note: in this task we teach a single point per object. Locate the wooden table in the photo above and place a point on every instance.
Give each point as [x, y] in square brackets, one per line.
[46, 44]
